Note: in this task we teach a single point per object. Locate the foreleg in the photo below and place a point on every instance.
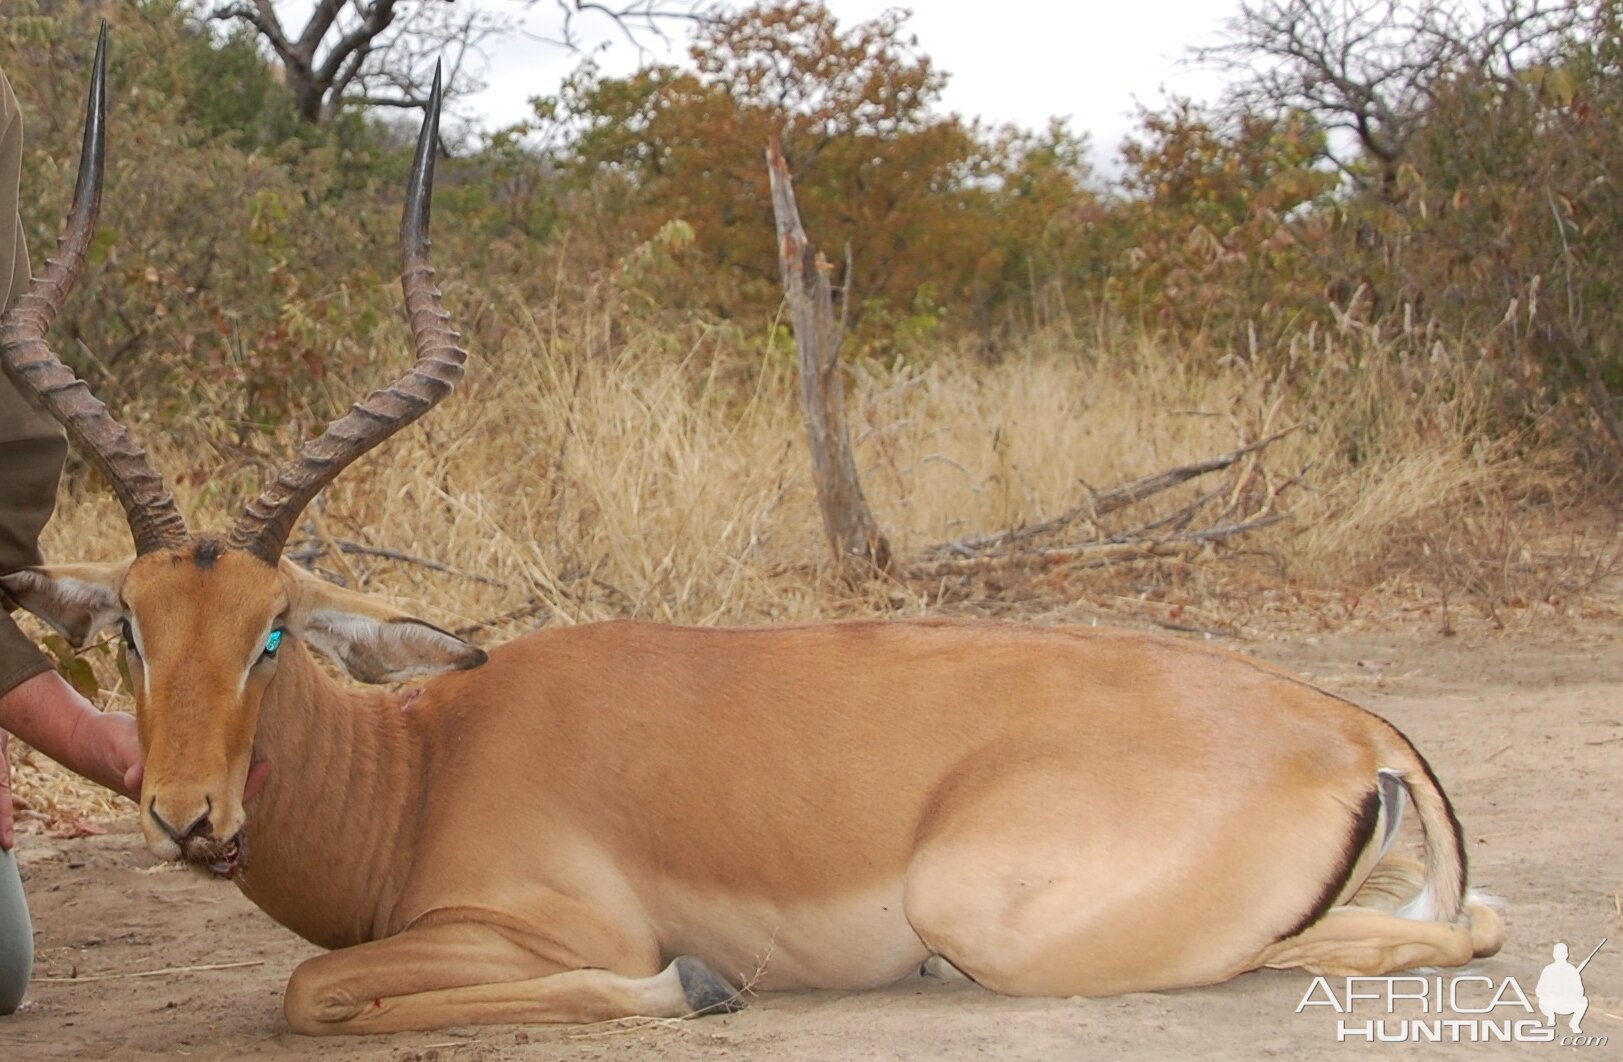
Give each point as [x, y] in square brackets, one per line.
[465, 973]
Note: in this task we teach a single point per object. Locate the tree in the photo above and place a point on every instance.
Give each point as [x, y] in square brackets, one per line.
[382, 53]
[1480, 201]
[923, 201]
[228, 243]
[1512, 223]
[1371, 68]
[1221, 214]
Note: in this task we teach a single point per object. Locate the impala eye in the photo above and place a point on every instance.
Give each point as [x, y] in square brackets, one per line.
[129, 637]
[274, 642]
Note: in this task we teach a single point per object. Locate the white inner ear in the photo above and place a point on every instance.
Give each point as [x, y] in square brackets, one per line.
[77, 609]
[333, 632]
[385, 651]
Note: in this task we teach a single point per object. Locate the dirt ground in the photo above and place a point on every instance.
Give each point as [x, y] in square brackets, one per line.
[1526, 734]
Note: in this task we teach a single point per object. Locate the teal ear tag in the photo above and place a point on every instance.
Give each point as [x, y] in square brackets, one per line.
[274, 642]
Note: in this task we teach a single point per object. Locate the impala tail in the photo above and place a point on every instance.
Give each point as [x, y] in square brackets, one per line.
[1445, 895]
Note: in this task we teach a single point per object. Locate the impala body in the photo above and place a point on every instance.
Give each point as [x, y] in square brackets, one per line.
[621, 819]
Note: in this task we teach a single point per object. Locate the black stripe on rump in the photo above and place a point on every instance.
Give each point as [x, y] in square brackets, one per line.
[1358, 838]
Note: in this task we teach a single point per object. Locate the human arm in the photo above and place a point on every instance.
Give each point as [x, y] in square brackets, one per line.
[46, 712]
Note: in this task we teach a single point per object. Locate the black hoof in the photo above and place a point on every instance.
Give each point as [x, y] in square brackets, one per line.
[706, 993]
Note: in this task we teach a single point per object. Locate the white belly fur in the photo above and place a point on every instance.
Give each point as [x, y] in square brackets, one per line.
[856, 940]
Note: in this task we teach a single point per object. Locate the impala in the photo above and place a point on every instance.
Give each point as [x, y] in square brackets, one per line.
[625, 819]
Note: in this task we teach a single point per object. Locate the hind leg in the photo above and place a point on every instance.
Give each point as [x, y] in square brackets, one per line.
[1394, 882]
[1098, 892]
[1366, 942]
[1033, 920]
[1397, 880]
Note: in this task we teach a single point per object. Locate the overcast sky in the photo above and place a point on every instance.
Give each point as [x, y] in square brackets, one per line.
[1020, 61]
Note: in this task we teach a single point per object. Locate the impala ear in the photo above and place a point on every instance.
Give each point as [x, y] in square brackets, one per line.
[371, 640]
[77, 600]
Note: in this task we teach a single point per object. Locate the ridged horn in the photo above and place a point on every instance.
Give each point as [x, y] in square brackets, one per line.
[266, 523]
[155, 522]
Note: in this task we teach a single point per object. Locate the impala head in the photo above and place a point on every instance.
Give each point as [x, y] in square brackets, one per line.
[209, 619]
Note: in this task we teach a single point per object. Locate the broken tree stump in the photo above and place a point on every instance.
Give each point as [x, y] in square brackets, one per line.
[859, 546]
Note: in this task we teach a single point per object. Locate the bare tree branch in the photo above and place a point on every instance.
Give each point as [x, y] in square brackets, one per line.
[1372, 66]
[381, 53]
[1096, 554]
[634, 21]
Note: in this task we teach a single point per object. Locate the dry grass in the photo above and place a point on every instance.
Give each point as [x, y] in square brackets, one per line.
[676, 488]
[590, 480]
[574, 481]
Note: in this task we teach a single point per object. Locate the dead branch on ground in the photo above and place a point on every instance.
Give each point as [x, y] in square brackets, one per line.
[1043, 544]
[1099, 504]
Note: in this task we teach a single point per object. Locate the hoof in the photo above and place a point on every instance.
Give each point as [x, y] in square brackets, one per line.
[706, 993]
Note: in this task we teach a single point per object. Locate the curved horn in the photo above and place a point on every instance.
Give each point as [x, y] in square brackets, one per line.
[40, 375]
[266, 522]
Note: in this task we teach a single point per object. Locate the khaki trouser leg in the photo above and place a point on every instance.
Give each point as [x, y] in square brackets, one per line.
[32, 445]
[32, 449]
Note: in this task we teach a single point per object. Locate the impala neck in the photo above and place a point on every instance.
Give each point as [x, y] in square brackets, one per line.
[329, 839]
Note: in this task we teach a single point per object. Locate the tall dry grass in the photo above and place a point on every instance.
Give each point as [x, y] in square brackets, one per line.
[592, 470]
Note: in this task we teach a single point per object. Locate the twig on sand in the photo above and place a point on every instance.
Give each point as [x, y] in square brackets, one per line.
[147, 973]
[617, 1026]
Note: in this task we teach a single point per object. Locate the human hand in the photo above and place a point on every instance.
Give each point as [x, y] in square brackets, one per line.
[105, 748]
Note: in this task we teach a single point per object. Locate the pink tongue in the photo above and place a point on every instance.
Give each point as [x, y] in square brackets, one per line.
[258, 773]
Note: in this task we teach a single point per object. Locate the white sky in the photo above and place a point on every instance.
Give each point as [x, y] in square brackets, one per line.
[1020, 61]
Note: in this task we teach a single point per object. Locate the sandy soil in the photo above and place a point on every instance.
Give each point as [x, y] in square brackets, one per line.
[1527, 736]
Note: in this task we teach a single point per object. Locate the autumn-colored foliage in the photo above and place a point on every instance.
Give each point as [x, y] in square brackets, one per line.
[248, 255]
[943, 220]
[1504, 228]
[230, 249]
[1220, 215]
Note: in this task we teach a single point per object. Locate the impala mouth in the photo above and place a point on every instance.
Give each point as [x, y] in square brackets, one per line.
[224, 859]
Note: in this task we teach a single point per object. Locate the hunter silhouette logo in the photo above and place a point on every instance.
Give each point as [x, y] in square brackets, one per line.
[1561, 987]
[1463, 1008]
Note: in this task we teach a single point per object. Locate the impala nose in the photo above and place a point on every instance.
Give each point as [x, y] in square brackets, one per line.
[198, 827]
